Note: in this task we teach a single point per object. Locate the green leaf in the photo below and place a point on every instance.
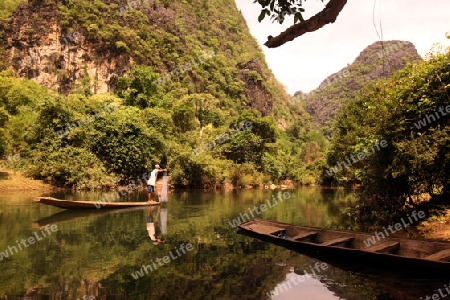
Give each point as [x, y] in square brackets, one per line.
[262, 15]
[298, 16]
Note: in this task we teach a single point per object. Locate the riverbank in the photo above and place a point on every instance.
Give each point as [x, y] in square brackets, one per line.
[12, 181]
[437, 226]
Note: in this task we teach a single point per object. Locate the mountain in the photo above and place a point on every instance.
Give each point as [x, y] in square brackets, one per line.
[381, 59]
[57, 45]
[106, 89]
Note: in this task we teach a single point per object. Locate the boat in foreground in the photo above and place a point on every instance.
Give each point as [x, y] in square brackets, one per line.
[418, 257]
[69, 204]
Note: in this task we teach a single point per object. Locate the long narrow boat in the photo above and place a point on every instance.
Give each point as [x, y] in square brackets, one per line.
[68, 204]
[418, 257]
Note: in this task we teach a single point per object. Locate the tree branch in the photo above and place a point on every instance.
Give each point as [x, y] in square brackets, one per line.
[326, 16]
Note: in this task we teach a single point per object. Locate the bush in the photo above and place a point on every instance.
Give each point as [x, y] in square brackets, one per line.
[84, 171]
[200, 171]
[123, 143]
[242, 175]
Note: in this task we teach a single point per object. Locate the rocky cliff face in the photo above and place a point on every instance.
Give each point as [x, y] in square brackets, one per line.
[254, 89]
[376, 61]
[39, 48]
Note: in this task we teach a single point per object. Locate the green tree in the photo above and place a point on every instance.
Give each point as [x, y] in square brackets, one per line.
[184, 117]
[244, 147]
[3, 133]
[124, 144]
[139, 87]
[415, 127]
[204, 107]
[49, 161]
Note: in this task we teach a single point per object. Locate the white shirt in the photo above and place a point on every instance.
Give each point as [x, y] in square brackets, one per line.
[152, 179]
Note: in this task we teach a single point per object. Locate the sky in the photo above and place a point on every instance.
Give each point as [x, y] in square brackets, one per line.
[305, 62]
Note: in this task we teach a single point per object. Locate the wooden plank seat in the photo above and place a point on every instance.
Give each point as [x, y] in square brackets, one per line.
[264, 229]
[338, 241]
[304, 235]
[443, 255]
[383, 247]
[420, 257]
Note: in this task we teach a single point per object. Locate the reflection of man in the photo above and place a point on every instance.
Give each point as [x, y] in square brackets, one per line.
[151, 182]
[151, 227]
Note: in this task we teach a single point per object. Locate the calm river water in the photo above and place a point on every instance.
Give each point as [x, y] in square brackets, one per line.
[100, 254]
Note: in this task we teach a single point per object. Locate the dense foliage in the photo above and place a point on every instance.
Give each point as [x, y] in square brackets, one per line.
[98, 141]
[199, 98]
[279, 10]
[7, 7]
[410, 111]
[193, 81]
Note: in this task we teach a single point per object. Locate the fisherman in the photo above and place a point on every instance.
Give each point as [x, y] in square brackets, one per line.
[151, 182]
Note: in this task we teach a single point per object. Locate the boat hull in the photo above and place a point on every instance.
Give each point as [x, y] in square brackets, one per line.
[358, 259]
[66, 204]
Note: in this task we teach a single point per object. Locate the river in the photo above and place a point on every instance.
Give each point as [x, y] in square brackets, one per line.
[58, 254]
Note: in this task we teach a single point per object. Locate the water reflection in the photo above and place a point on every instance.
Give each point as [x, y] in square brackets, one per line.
[150, 225]
[291, 288]
[163, 220]
[95, 253]
[71, 215]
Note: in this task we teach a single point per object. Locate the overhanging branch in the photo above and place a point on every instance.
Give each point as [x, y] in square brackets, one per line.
[326, 16]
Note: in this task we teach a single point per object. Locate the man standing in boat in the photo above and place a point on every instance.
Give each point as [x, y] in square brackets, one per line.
[151, 182]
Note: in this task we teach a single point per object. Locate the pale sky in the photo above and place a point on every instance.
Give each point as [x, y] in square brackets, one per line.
[305, 62]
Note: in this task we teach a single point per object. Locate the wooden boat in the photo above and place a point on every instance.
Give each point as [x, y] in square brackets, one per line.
[68, 204]
[416, 257]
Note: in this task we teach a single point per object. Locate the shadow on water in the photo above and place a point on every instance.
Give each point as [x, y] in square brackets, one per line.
[69, 215]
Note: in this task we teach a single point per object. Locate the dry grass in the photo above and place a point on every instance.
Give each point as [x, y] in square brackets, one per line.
[436, 227]
[11, 181]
